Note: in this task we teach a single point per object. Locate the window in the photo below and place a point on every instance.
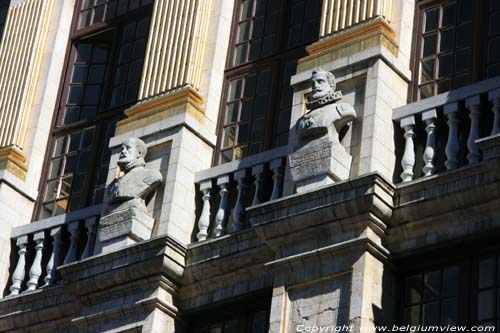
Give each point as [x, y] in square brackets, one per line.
[102, 79]
[430, 298]
[248, 315]
[465, 291]
[457, 43]
[4, 8]
[268, 38]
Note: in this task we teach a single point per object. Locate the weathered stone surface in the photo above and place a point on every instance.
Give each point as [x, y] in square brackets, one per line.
[319, 158]
[322, 303]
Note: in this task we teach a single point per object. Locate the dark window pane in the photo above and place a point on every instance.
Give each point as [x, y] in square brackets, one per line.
[445, 65]
[88, 112]
[494, 27]
[75, 95]
[92, 94]
[250, 82]
[466, 9]
[246, 110]
[259, 322]
[449, 15]
[61, 206]
[243, 133]
[430, 314]
[487, 272]
[431, 19]
[430, 43]
[51, 191]
[135, 70]
[462, 80]
[413, 289]
[258, 130]
[244, 31]
[78, 182]
[240, 54]
[232, 112]
[229, 136]
[412, 315]
[443, 86]
[426, 91]
[463, 60]
[122, 7]
[96, 74]
[98, 14]
[246, 9]
[235, 89]
[74, 141]
[131, 91]
[71, 115]
[99, 54]
[464, 35]
[486, 304]
[427, 70]
[447, 37]
[231, 326]
[494, 50]
[450, 281]
[261, 105]
[258, 27]
[449, 312]
[87, 138]
[85, 17]
[70, 165]
[226, 156]
[83, 52]
[432, 285]
[79, 74]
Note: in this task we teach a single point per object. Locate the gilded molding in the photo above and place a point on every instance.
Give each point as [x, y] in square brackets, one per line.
[13, 160]
[185, 100]
[375, 32]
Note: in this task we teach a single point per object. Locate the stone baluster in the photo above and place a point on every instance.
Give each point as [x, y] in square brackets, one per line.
[36, 267]
[238, 221]
[258, 173]
[452, 145]
[90, 224]
[222, 212]
[53, 262]
[204, 220]
[276, 166]
[494, 97]
[73, 245]
[408, 160]
[429, 117]
[474, 106]
[19, 272]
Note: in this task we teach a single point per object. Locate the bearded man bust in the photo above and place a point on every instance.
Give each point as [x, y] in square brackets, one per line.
[318, 157]
[126, 219]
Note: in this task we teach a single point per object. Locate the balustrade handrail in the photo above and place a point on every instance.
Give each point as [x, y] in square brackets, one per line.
[246, 162]
[55, 221]
[80, 226]
[446, 98]
[447, 119]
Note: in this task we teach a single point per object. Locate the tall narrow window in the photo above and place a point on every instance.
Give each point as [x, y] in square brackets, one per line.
[487, 292]
[457, 44]
[268, 38]
[102, 79]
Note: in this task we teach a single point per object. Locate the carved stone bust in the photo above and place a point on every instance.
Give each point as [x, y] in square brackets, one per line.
[319, 158]
[137, 184]
[325, 115]
[126, 219]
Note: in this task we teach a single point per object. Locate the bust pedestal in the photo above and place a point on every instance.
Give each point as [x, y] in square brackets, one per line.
[319, 162]
[124, 227]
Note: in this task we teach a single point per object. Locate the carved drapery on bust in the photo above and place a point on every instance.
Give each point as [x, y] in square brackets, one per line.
[319, 158]
[126, 218]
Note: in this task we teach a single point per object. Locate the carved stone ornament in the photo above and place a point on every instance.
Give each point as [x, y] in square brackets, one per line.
[319, 158]
[126, 219]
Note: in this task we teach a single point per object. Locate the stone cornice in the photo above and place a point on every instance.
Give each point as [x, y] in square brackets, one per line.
[13, 160]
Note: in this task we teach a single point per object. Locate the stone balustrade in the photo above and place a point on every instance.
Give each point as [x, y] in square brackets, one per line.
[228, 189]
[440, 133]
[44, 245]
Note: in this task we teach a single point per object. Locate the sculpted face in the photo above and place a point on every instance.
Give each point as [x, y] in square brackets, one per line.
[320, 85]
[129, 152]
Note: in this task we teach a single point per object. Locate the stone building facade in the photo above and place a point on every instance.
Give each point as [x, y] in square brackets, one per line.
[214, 88]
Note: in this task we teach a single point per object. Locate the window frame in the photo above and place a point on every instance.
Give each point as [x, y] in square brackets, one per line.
[275, 61]
[480, 21]
[102, 120]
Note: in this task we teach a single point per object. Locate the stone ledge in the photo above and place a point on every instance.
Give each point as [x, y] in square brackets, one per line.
[13, 160]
